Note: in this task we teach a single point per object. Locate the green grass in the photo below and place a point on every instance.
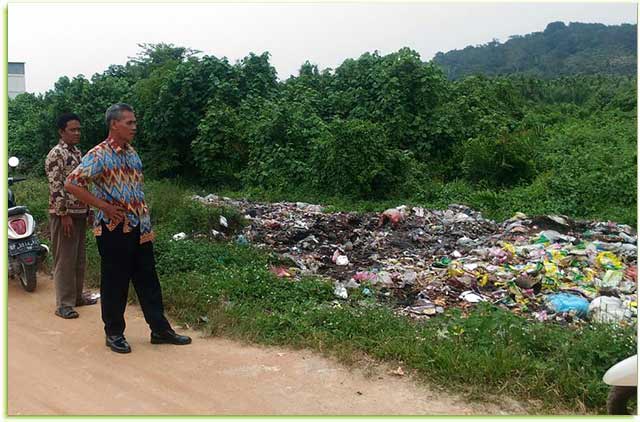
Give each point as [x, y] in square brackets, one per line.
[226, 289]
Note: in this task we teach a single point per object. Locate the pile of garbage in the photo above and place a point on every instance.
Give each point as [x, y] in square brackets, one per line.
[549, 268]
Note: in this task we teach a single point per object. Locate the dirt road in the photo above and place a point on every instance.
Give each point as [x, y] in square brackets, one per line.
[62, 367]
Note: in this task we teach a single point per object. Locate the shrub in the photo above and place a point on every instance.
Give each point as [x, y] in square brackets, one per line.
[356, 160]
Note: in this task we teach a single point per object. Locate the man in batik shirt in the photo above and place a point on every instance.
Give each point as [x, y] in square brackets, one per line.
[123, 230]
[67, 220]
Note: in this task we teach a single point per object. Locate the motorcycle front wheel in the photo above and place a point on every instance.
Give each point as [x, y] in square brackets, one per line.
[28, 277]
[622, 400]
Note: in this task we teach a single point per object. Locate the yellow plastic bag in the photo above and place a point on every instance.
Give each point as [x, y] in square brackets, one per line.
[455, 270]
[509, 248]
[608, 261]
[551, 270]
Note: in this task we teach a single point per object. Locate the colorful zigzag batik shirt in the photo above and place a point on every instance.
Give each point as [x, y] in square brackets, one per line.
[116, 175]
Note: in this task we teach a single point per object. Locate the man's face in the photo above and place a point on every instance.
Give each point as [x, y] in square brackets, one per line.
[125, 128]
[71, 133]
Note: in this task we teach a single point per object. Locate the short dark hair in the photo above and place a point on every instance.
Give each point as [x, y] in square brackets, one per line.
[115, 112]
[66, 118]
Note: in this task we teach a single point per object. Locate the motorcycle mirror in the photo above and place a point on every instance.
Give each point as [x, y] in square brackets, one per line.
[13, 162]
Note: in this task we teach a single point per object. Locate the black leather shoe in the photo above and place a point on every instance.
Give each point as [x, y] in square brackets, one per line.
[118, 344]
[169, 337]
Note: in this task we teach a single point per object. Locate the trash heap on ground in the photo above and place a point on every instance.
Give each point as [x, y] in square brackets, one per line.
[548, 268]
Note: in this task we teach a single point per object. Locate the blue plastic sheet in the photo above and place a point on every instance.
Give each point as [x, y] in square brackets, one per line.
[565, 302]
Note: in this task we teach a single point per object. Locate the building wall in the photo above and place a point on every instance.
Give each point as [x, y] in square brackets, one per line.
[16, 81]
[15, 85]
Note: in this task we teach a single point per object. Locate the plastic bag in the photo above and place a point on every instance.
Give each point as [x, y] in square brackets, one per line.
[564, 302]
[606, 309]
[608, 261]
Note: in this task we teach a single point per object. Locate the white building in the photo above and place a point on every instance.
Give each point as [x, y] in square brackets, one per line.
[16, 79]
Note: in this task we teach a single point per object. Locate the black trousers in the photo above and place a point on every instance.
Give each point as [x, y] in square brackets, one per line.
[124, 259]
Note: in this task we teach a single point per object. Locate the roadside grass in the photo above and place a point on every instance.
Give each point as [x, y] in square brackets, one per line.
[226, 289]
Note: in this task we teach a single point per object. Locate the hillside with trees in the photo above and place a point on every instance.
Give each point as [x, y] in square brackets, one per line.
[560, 50]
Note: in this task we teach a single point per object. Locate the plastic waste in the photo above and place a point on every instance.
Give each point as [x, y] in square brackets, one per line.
[418, 211]
[565, 302]
[392, 215]
[365, 276]
[553, 236]
[223, 221]
[340, 291]
[342, 260]
[180, 236]
[611, 280]
[632, 272]
[606, 309]
[385, 278]
[471, 297]
[409, 277]
[443, 263]
[608, 261]
[352, 284]
[514, 264]
[280, 271]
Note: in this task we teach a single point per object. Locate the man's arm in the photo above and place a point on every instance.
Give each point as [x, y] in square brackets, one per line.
[88, 170]
[114, 212]
[54, 167]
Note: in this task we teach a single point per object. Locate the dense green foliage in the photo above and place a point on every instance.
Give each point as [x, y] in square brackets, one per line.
[383, 128]
[560, 50]
[227, 289]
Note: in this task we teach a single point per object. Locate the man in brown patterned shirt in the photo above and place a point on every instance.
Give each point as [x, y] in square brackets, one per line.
[67, 220]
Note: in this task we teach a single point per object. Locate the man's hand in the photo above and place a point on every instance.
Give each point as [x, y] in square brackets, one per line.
[114, 213]
[67, 225]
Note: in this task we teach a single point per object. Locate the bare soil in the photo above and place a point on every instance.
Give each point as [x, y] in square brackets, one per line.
[62, 367]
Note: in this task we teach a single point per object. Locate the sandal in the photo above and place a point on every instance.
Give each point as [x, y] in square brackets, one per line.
[66, 312]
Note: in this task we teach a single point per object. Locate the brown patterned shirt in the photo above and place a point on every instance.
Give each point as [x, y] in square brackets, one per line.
[61, 161]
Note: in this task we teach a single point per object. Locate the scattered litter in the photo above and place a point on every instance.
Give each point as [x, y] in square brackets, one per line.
[365, 276]
[606, 309]
[342, 260]
[455, 257]
[180, 236]
[471, 297]
[340, 291]
[611, 280]
[393, 215]
[398, 372]
[280, 271]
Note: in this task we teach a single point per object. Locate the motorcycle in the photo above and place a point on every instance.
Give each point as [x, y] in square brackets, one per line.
[623, 379]
[26, 252]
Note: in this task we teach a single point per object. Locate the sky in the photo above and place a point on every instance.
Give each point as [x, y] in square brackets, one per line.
[68, 39]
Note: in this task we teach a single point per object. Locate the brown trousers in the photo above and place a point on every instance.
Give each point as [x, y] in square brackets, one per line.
[69, 259]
